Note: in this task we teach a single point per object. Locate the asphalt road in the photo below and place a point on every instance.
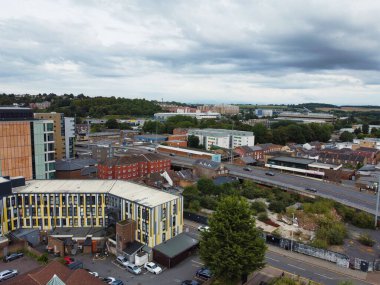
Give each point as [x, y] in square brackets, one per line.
[345, 194]
[294, 266]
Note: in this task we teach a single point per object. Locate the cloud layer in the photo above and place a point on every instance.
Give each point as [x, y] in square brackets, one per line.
[194, 51]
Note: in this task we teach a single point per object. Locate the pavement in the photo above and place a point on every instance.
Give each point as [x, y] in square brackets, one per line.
[306, 266]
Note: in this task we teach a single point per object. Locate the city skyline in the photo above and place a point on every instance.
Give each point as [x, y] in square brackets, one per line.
[230, 51]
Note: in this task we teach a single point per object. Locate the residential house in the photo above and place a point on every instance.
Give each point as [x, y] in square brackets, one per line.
[209, 169]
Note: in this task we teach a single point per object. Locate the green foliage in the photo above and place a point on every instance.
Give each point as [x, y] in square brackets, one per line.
[365, 239]
[286, 281]
[206, 186]
[112, 124]
[319, 243]
[346, 137]
[258, 207]
[345, 282]
[43, 258]
[364, 220]
[193, 141]
[365, 128]
[233, 247]
[96, 128]
[320, 206]
[347, 213]
[331, 231]
[277, 206]
[263, 217]
[153, 127]
[194, 206]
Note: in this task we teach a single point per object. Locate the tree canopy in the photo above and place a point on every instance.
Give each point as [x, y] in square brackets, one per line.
[233, 247]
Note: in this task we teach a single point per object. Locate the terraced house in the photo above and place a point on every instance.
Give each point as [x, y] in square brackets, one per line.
[48, 204]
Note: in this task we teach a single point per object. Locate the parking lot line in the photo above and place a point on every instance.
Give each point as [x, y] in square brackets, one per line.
[200, 263]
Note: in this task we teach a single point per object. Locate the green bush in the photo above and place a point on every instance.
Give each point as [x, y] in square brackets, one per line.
[43, 258]
[364, 220]
[365, 239]
[277, 206]
[319, 243]
[258, 206]
[333, 232]
[263, 217]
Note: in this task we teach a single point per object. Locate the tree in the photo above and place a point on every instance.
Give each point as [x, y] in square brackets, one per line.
[346, 137]
[206, 186]
[112, 124]
[365, 128]
[233, 247]
[193, 141]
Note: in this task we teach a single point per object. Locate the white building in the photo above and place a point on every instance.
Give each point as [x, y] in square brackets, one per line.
[223, 138]
[198, 115]
[306, 117]
[263, 113]
[69, 137]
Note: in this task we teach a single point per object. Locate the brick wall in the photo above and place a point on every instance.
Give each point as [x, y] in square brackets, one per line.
[57, 244]
[125, 233]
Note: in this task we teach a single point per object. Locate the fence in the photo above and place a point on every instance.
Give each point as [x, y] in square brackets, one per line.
[195, 218]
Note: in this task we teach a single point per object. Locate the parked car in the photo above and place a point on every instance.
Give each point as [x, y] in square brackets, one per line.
[172, 154]
[117, 282]
[153, 268]
[190, 282]
[269, 173]
[109, 280]
[311, 189]
[68, 260]
[122, 260]
[247, 169]
[204, 273]
[6, 274]
[93, 273]
[75, 265]
[13, 256]
[134, 269]
[203, 228]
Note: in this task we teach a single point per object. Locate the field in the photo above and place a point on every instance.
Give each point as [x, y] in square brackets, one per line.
[349, 109]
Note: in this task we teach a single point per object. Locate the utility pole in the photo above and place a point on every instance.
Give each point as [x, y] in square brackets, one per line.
[291, 241]
[232, 142]
[377, 201]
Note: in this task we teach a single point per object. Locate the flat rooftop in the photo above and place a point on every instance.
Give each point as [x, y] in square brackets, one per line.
[79, 232]
[133, 192]
[292, 160]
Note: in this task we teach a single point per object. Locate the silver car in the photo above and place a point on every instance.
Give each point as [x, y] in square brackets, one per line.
[6, 274]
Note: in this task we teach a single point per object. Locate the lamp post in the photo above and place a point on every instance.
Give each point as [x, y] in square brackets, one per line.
[377, 201]
[291, 240]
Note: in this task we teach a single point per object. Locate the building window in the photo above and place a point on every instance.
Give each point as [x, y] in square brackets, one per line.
[163, 237]
[164, 226]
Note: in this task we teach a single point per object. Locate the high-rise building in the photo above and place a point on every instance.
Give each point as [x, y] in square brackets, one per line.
[64, 133]
[26, 144]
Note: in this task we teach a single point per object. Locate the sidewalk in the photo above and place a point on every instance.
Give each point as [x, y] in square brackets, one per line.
[320, 263]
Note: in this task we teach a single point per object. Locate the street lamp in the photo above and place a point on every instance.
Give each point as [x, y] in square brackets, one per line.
[377, 201]
[291, 240]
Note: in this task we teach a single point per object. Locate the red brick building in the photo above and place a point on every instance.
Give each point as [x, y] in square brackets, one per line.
[132, 167]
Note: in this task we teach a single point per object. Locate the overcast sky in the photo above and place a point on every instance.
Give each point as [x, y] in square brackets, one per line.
[194, 51]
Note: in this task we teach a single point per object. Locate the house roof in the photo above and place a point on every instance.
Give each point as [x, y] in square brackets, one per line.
[248, 159]
[293, 160]
[74, 164]
[223, 180]
[207, 163]
[176, 245]
[133, 247]
[132, 159]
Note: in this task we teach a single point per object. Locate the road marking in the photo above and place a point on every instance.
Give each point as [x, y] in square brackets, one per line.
[270, 258]
[324, 276]
[300, 268]
[200, 263]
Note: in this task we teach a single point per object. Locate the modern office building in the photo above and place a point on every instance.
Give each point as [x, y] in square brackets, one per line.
[223, 138]
[64, 133]
[198, 115]
[92, 203]
[26, 144]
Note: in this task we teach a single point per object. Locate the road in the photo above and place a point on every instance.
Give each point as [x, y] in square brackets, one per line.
[292, 265]
[345, 194]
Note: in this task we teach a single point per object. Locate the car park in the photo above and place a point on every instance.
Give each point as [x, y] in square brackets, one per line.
[13, 256]
[134, 269]
[153, 267]
[109, 280]
[269, 173]
[310, 189]
[247, 169]
[122, 260]
[203, 228]
[190, 282]
[68, 260]
[204, 273]
[6, 274]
